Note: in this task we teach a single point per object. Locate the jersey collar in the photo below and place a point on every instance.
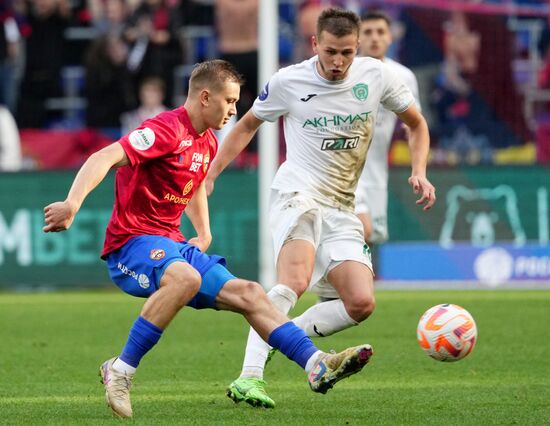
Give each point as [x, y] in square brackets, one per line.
[184, 118]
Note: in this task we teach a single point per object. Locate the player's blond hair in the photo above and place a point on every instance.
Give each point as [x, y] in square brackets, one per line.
[213, 75]
[338, 22]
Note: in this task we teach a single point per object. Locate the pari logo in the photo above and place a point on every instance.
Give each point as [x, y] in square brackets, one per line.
[264, 93]
[339, 144]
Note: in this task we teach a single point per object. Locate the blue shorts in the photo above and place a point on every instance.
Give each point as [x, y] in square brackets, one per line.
[137, 267]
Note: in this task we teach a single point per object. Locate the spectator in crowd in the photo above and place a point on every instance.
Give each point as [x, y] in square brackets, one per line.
[453, 96]
[151, 94]
[478, 105]
[45, 47]
[155, 47]
[10, 47]
[308, 12]
[10, 144]
[197, 12]
[237, 30]
[108, 16]
[109, 85]
[462, 49]
[459, 115]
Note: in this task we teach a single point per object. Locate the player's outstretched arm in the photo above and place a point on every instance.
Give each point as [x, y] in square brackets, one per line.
[419, 145]
[238, 138]
[197, 212]
[60, 215]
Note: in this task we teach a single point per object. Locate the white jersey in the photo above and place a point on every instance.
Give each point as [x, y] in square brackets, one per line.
[328, 125]
[375, 172]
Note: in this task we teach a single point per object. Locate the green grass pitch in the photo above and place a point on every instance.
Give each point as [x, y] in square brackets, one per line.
[53, 344]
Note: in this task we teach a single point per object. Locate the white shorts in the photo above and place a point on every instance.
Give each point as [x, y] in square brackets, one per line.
[374, 202]
[336, 234]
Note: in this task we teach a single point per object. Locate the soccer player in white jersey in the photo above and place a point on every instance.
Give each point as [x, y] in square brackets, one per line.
[329, 104]
[371, 196]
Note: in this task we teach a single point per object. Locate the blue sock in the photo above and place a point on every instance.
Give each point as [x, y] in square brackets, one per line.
[293, 342]
[143, 336]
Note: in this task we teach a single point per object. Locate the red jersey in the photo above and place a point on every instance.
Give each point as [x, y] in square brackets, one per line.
[168, 162]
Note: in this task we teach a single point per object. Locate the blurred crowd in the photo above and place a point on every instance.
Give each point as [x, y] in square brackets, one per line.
[120, 44]
[110, 64]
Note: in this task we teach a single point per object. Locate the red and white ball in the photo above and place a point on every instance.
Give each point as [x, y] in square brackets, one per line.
[447, 332]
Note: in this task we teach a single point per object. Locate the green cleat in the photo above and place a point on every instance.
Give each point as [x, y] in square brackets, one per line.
[251, 390]
[332, 368]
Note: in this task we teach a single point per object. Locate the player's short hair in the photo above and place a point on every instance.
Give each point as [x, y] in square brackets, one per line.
[372, 15]
[213, 75]
[338, 22]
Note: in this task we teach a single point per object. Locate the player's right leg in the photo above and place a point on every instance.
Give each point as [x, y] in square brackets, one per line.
[295, 265]
[295, 224]
[150, 267]
[323, 369]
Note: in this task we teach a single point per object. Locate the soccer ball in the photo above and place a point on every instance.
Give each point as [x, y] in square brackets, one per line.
[447, 332]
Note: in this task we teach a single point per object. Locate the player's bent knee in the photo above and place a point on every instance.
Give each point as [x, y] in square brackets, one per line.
[251, 296]
[181, 277]
[361, 307]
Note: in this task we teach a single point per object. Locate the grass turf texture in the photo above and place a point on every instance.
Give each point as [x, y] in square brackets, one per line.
[53, 344]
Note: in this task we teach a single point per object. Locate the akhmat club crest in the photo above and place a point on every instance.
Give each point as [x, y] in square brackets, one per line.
[361, 91]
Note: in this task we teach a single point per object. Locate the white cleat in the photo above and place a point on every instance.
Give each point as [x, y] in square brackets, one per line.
[117, 389]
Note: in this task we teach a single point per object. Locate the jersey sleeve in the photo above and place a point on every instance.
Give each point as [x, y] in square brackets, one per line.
[154, 138]
[270, 103]
[396, 96]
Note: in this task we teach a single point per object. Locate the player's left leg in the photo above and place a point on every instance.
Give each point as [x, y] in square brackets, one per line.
[324, 370]
[152, 267]
[347, 259]
[220, 289]
[353, 281]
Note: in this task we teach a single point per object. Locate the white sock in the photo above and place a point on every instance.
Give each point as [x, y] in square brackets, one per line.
[324, 319]
[312, 360]
[284, 299]
[122, 367]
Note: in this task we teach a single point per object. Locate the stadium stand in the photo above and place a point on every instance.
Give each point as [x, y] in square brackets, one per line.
[501, 102]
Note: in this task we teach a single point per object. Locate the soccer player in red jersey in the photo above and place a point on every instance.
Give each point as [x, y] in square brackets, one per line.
[161, 167]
